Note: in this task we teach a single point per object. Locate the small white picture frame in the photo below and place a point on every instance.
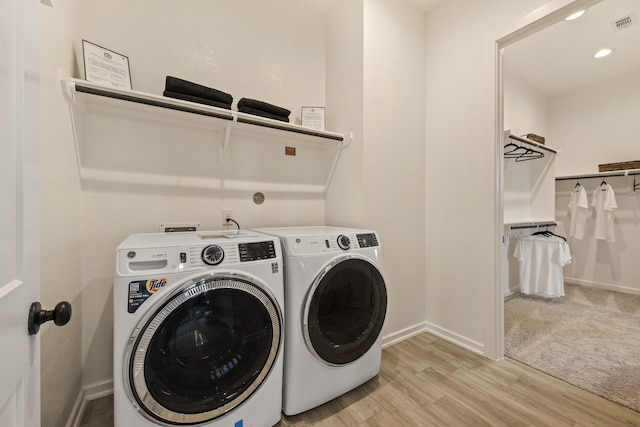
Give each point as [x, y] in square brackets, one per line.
[105, 67]
[313, 117]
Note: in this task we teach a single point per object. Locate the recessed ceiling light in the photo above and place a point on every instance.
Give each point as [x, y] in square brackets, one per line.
[574, 15]
[602, 53]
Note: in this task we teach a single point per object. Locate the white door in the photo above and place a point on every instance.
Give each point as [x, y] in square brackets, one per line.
[19, 211]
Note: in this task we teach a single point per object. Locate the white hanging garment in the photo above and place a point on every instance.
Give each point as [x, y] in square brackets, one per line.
[604, 203]
[541, 261]
[578, 211]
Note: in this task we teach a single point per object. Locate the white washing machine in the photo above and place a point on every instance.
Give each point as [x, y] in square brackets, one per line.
[198, 330]
[336, 301]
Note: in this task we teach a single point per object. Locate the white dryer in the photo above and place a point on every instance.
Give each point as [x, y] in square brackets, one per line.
[198, 330]
[336, 302]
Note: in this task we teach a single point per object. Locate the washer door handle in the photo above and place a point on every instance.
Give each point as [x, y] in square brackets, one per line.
[60, 316]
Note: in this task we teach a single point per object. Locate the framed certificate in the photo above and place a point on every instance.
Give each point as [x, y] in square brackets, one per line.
[313, 117]
[105, 66]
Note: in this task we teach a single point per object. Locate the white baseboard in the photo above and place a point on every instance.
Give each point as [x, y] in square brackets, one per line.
[404, 334]
[78, 409]
[607, 286]
[98, 390]
[419, 328]
[88, 393]
[455, 338]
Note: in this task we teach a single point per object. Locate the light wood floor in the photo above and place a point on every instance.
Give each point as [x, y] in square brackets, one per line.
[427, 381]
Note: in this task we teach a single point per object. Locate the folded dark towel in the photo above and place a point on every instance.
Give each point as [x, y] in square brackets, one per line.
[261, 113]
[174, 84]
[263, 106]
[197, 99]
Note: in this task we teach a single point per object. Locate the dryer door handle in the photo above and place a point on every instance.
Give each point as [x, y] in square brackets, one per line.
[60, 316]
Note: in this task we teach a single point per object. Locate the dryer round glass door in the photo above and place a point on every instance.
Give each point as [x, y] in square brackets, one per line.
[203, 350]
[345, 310]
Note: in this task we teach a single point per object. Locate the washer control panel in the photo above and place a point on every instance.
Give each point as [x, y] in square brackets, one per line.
[164, 253]
[225, 253]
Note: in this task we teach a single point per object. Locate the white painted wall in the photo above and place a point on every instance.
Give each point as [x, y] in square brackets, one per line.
[344, 91]
[461, 228]
[525, 108]
[393, 153]
[460, 224]
[273, 51]
[595, 126]
[61, 220]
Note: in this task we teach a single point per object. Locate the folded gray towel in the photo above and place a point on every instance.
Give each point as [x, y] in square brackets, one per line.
[174, 84]
[263, 106]
[197, 99]
[261, 113]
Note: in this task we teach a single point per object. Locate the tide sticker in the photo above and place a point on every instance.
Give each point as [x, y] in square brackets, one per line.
[154, 285]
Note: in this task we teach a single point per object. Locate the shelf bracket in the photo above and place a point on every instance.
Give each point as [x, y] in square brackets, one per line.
[76, 108]
[341, 146]
[224, 154]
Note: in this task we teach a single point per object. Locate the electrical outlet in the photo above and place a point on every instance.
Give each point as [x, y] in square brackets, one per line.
[226, 214]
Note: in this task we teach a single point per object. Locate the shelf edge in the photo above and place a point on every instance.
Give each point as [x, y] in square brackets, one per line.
[178, 105]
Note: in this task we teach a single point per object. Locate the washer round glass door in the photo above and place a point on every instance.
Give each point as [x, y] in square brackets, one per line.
[203, 350]
[345, 310]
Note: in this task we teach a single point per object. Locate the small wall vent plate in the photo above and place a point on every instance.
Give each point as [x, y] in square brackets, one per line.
[179, 227]
[624, 22]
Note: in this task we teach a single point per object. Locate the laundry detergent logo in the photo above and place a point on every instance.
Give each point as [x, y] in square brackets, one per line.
[154, 285]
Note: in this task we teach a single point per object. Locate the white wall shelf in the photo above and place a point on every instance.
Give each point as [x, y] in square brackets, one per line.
[122, 136]
[533, 143]
[80, 92]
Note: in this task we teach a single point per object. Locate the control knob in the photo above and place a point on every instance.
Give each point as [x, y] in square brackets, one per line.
[212, 255]
[344, 242]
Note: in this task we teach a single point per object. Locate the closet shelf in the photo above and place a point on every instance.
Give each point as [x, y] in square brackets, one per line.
[76, 92]
[533, 143]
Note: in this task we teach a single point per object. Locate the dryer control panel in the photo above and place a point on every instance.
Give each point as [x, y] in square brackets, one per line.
[308, 245]
[367, 240]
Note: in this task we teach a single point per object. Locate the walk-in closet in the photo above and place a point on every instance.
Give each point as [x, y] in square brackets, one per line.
[580, 186]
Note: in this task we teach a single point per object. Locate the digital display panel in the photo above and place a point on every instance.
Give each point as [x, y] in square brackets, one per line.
[256, 250]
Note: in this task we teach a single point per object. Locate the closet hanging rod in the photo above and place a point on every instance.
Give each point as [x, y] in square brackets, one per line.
[629, 172]
[533, 225]
[535, 144]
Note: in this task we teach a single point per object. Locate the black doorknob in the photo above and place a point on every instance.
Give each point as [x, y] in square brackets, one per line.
[60, 315]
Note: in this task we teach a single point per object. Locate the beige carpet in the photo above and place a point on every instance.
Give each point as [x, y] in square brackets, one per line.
[589, 338]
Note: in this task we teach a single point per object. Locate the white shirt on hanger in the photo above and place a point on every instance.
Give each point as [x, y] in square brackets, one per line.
[541, 261]
[578, 211]
[604, 203]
